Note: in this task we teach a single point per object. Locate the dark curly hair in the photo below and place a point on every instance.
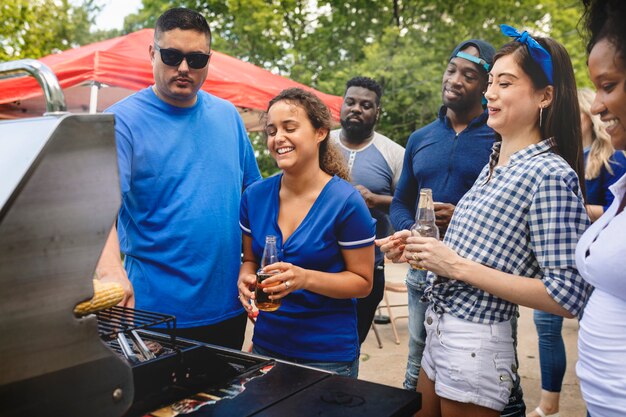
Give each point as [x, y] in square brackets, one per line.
[605, 19]
[367, 83]
[331, 160]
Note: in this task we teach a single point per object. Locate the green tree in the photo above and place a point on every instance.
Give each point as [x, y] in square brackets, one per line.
[563, 26]
[34, 28]
[410, 58]
[404, 44]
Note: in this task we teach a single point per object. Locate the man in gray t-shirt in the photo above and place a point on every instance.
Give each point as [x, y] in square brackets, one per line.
[375, 163]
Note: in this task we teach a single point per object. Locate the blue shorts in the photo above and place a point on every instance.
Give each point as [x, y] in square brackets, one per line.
[469, 362]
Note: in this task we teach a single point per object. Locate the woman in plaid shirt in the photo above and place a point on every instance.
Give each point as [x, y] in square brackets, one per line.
[513, 235]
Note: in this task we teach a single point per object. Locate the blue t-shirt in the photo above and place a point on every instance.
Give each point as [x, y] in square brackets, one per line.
[438, 158]
[182, 171]
[309, 325]
[377, 167]
[597, 189]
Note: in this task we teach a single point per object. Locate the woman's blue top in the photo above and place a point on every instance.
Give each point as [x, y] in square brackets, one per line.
[598, 192]
[308, 325]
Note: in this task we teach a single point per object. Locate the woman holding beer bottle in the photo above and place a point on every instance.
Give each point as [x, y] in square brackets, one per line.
[513, 235]
[324, 235]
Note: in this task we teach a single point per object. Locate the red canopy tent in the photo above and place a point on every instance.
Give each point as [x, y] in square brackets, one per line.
[110, 70]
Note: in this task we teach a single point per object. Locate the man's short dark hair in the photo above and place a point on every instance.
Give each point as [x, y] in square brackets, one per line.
[181, 18]
[367, 83]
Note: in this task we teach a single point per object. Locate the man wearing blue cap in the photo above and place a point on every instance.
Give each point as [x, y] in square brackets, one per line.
[446, 156]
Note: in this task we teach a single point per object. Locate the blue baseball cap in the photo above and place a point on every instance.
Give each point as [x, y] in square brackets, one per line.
[485, 51]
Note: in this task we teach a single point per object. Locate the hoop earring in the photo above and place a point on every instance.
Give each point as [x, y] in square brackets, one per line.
[540, 117]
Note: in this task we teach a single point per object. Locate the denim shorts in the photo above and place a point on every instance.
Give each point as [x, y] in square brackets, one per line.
[469, 362]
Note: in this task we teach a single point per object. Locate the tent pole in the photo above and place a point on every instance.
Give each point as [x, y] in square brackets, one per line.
[93, 97]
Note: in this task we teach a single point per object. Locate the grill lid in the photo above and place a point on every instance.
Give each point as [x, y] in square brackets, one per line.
[59, 195]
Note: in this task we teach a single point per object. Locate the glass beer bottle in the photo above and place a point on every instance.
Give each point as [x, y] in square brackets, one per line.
[425, 217]
[270, 256]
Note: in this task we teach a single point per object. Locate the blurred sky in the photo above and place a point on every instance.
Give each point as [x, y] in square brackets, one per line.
[114, 11]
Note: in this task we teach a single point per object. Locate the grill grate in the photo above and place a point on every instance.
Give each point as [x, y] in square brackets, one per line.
[117, 319]
[118, 327]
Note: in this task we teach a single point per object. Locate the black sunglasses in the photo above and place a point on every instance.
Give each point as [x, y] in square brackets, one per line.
[174, 57]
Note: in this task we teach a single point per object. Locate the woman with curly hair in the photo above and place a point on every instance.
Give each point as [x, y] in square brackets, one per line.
[601, 251]
[603, 167]
[324, 234]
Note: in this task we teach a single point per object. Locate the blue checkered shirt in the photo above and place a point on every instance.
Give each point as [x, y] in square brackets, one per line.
[525, 219]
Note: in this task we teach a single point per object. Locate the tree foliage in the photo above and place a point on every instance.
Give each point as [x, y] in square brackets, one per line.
[34, 28]
[404, 44]
[409, 59]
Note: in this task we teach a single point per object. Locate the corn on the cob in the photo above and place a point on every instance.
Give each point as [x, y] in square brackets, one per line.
[105, 295]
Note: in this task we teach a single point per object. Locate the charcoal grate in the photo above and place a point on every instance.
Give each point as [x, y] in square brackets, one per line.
[118, 319]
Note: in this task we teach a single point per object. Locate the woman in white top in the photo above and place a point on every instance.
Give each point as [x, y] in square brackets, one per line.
[601, 251]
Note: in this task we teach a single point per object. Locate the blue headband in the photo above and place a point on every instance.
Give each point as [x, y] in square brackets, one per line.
[537, 52]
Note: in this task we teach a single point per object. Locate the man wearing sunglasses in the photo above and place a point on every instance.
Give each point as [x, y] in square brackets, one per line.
[184, 158]
[179, 75]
